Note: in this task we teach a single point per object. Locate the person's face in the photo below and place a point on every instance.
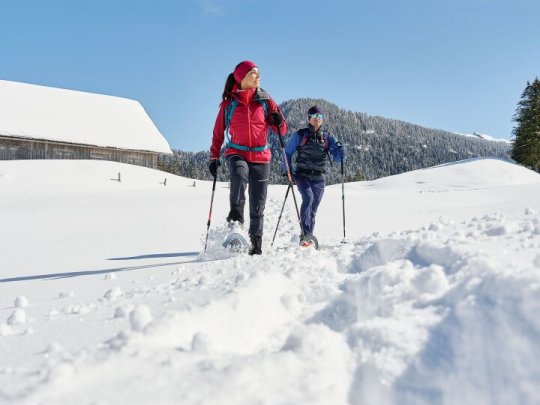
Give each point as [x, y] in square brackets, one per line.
[251, 80]
[316, 120]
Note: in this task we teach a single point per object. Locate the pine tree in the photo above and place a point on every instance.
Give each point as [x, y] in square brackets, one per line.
[526, 146]
[376, 146]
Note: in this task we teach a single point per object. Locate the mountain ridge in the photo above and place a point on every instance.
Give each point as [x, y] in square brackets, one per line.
[376, 146]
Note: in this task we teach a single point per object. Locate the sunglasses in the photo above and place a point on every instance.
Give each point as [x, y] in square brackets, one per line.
[313, 116]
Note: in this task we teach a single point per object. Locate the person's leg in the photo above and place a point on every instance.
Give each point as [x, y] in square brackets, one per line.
[259, 175]
[304, 187]
[317, 187]
[238, 169]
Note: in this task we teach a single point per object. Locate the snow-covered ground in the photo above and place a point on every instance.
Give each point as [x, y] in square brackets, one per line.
[485, 137]
[105, 298]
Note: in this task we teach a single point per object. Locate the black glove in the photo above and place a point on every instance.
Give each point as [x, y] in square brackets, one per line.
[276, 119]
[293, 177]
[213, 167]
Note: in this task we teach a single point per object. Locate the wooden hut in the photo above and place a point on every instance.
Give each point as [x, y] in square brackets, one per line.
[38, 122]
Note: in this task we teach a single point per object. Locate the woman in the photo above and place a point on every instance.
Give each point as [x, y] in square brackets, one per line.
[245, 117]
[312, 146]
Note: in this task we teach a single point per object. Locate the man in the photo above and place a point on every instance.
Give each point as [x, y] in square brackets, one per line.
[312, 147]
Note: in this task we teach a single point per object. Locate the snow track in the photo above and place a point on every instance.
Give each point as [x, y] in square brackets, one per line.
[438, 307]
[401, 316]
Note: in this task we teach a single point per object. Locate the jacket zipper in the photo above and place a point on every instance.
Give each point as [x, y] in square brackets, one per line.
[249, 130]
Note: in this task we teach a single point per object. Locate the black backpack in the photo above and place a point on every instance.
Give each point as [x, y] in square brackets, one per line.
[305, 136]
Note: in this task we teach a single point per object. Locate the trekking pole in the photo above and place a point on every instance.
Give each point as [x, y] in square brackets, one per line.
[343, 198]
[281, 213]
[289, 178]
[210, 212]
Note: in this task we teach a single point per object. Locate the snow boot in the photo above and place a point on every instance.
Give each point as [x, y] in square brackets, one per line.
[256, 245]
[308, 241]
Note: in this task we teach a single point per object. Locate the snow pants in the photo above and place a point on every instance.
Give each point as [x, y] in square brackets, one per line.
[257, 176]
[312, 192]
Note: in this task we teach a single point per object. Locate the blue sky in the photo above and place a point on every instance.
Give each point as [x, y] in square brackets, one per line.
[458, 65]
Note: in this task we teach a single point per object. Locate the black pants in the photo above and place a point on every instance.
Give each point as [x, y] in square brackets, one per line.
[256, 175]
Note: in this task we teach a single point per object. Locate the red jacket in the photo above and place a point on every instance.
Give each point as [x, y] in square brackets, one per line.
[248, 127]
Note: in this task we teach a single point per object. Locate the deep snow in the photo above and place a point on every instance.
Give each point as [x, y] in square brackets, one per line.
[105, 298]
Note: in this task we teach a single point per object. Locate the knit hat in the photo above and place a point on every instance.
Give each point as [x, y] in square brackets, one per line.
[315, 110]
[241, 70]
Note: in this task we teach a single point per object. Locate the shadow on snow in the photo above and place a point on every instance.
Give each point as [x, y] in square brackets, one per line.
[55, 276]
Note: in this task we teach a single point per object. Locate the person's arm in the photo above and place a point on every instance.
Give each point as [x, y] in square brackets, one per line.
[218, 134]
[290, 149]
[336, 149]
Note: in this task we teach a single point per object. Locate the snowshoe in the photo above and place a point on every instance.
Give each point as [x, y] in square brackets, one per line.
[236, 242]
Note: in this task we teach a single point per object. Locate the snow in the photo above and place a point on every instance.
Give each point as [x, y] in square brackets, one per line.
[486, 137]
[21, 301]
[48, 113]
[140, 317]
[105, 297]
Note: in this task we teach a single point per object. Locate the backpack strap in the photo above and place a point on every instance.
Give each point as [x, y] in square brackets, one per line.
[229, 111]
[265, 107]
[326, 139]
[305, 137]
[326, 136]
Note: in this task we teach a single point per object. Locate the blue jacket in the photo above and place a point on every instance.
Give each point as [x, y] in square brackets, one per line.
[311, 157]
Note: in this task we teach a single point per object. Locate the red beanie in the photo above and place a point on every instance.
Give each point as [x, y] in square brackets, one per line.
[241, 70]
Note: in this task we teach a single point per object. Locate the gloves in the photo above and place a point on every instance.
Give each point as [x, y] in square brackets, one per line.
[293, 177]
[276, 119]
[213, 167]
[340, 150]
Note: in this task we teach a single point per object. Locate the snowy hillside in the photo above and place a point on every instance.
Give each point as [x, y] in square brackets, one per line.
[486, 137]
[106, 299]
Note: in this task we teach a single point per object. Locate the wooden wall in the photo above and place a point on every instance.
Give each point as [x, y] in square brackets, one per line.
[19, 148]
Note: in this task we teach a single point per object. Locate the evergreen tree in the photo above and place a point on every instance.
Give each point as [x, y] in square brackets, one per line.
[526, 146]
[376, 146]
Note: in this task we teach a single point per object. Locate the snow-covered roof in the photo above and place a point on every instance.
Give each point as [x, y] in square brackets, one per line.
[48, 113]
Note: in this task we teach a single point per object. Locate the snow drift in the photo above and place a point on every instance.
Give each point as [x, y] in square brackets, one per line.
[104, 297]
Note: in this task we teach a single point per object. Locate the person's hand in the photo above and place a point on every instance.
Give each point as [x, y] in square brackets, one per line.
[293, 178]
[341, 150]
[276, 119]
[213, 167]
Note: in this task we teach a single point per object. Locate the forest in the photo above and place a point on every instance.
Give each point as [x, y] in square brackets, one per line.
[376, 146]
